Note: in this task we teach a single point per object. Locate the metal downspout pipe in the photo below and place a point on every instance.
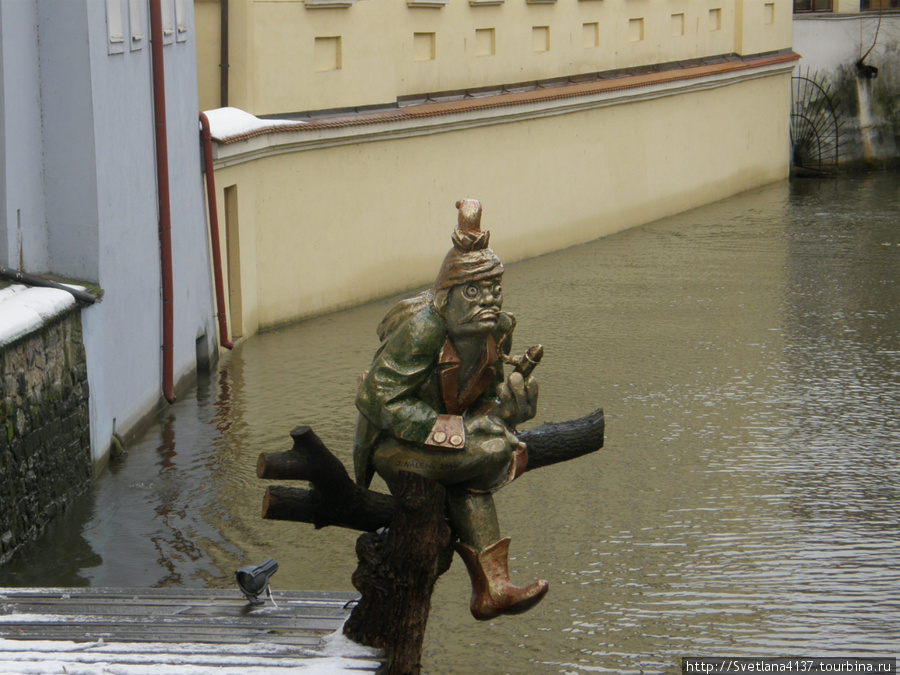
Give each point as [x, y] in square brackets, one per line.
[223, 53]
[162, 187]
[214, 232]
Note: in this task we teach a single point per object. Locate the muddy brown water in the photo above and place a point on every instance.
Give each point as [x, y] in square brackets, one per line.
[747, 502]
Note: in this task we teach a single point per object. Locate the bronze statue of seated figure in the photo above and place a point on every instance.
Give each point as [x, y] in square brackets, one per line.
[436, 402]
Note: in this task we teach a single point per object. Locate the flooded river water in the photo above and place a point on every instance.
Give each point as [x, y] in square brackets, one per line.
[747, 502]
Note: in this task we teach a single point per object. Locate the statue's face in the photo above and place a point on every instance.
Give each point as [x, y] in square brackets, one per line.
[473, 308]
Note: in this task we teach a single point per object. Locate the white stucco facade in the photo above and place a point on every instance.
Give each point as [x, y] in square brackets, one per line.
[829, 41]
[78, 188]
[830, 46]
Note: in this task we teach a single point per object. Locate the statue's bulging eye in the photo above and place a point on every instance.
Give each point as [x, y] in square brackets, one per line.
[496, 290]
[471, 291]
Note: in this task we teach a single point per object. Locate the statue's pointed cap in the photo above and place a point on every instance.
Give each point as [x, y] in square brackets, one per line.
[470, 259]
[468, 235]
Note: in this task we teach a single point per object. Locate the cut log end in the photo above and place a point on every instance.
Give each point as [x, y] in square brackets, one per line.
[261, 465]
[266, 501]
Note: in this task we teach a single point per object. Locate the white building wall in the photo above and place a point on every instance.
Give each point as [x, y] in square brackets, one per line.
[79, 152]
[23, 232]
[69, 154]
[830, 46]
[832, 42]
[123, 334]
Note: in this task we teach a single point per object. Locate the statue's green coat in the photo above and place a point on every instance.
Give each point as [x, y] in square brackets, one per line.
[400, 395]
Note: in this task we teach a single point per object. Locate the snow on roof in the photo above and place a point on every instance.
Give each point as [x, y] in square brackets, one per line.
[229, 123]
[24, 309]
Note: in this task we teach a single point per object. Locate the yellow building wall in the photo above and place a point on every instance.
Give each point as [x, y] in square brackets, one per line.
[206, 22]
[332, 227]
[285, 57]
[762, 26]
[845, 6]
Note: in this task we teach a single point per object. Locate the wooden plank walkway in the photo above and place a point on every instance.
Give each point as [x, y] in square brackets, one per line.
[83, 631]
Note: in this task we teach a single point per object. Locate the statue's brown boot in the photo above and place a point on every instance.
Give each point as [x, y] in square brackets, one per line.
[492, 592]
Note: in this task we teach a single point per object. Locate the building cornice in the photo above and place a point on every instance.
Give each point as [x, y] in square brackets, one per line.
[464, 113]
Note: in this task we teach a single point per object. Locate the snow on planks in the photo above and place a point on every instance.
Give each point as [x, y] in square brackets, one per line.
[173, 631]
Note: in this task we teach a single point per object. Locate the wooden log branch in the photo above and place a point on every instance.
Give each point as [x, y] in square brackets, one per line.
[561, 441]
[397, 572]
[336, 500]
[366, 512]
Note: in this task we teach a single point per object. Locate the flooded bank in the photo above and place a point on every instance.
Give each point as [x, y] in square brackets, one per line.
[747, 502]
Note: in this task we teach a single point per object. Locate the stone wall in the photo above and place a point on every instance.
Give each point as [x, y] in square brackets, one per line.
[45, 454]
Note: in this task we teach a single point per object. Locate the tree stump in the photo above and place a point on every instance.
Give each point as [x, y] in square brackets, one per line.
[397, 572]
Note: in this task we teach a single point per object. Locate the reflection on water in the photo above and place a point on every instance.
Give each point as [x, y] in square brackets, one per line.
[747, 355]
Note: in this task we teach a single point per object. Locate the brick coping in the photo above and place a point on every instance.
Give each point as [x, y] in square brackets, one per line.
[551, 92]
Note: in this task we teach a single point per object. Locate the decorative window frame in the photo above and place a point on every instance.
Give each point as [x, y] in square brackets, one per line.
[181, 26]
[809, 7]
[328, 4]
[168, 21]
[426, 4]
[136, 20]
[115, 27]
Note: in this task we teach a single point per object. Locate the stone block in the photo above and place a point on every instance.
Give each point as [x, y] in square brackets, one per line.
[22, 422]
[17, 450]
[32, 443]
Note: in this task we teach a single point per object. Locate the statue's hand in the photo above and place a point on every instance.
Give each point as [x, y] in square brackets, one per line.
[518, 399]
[490, 425]
[486, 425]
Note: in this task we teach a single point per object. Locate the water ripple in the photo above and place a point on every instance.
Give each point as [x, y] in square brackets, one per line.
[747, 502]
